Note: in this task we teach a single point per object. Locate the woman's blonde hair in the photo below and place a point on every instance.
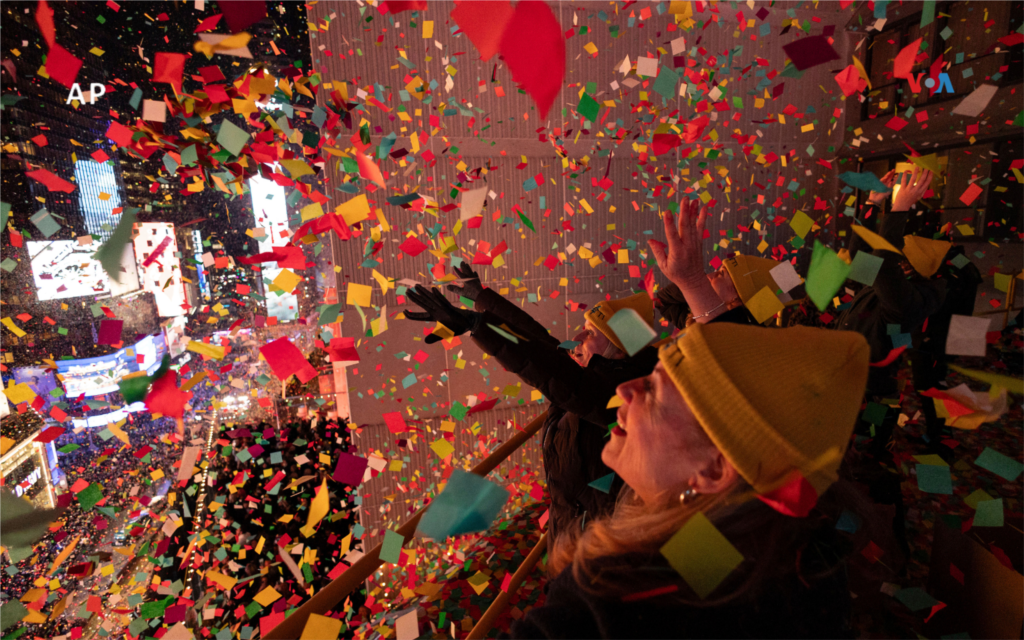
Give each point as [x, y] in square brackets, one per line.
[770, 542]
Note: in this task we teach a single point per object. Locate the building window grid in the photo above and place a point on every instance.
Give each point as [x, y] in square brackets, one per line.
[902, 32]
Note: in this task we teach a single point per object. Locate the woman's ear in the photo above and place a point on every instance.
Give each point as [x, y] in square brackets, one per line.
[716, 476]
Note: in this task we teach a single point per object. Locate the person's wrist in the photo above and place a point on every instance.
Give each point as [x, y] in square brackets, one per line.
[690, 281]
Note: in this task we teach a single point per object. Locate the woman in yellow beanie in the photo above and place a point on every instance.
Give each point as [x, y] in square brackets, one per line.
[730, 451]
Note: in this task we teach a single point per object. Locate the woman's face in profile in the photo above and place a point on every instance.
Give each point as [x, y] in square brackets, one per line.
[658, 446]
[722, 283]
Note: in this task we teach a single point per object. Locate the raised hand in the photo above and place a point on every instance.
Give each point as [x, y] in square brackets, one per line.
[469, 285]
[683, 262]
[913, 185]
[437, 308]
[878, 197]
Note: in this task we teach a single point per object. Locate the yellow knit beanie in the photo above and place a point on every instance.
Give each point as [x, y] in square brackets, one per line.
[750, 274]
[603, 311]
[773, 400]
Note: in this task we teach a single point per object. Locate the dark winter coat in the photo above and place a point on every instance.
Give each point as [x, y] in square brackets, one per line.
[961, 291]
[788, 607]
[894, 299]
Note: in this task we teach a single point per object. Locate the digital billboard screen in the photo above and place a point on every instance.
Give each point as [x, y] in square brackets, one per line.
[103, 419]
[42, 380]
[156, 251]
[96, 376]
[65, 269]
[271, 213]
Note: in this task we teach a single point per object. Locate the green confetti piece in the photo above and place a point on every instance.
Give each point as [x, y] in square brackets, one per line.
[526, 221]
[825, 275]
[112, 250]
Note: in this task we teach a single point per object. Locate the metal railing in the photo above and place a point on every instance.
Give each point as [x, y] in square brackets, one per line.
[331, 595]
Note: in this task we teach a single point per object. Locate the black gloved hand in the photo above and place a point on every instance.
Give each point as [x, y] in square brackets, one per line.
[436, 308]
[471, 287]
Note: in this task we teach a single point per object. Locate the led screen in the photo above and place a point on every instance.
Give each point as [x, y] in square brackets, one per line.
[103, 419]
[159, 269]
[65, 269]
[96, 376]
[41, 380]
[271, 213]
[98, 196]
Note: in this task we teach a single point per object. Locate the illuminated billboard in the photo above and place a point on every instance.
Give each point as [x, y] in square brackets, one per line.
[158, 266]
[41, 380]
[174, 331]
[129, 277]
[271, 213]
[65, 269]
[197, 246]
[96, 376]
[98, 196]
[103, 419]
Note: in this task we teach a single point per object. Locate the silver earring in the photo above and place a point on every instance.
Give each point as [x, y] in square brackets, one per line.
[688, 496]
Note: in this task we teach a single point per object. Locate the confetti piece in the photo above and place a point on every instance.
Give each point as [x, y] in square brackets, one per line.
[966, 336]
[62, 66]
[825, 275]
[484, 24]
[285, 360]
[932, 479]
[632, 331]
[468, 504]
[1003, 466]
[359, 295]
[810, 52]
[763, 305]
[533, 47]
[701, 555]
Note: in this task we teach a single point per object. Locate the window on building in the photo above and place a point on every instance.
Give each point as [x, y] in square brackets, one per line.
[953, 24]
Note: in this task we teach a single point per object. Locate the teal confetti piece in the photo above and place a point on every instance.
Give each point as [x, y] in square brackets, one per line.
[604, 483]
[468, 504]
[391, 548]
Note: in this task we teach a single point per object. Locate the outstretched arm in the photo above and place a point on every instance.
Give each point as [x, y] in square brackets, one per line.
[550, 370]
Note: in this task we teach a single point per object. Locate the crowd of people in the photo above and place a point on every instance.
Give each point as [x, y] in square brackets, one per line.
[262, 516]
[728, 438]
[129, 494]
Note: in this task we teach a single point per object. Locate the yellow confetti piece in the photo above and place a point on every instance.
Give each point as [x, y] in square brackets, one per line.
[321, 628]
[267, 597]
[442, 448]
[15, 329]
[203, 349]
[224, 581]
[287, 280]
[19, 393]
[876, 241]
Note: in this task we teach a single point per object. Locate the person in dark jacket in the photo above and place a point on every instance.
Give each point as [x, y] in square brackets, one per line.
[578, 384]
[897, 304]
[730, 451]
[929, 354]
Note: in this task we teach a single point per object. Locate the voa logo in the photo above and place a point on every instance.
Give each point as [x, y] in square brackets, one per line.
[945, 86]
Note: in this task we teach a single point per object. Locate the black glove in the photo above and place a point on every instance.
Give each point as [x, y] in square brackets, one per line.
[436, 308]
[471, 288]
